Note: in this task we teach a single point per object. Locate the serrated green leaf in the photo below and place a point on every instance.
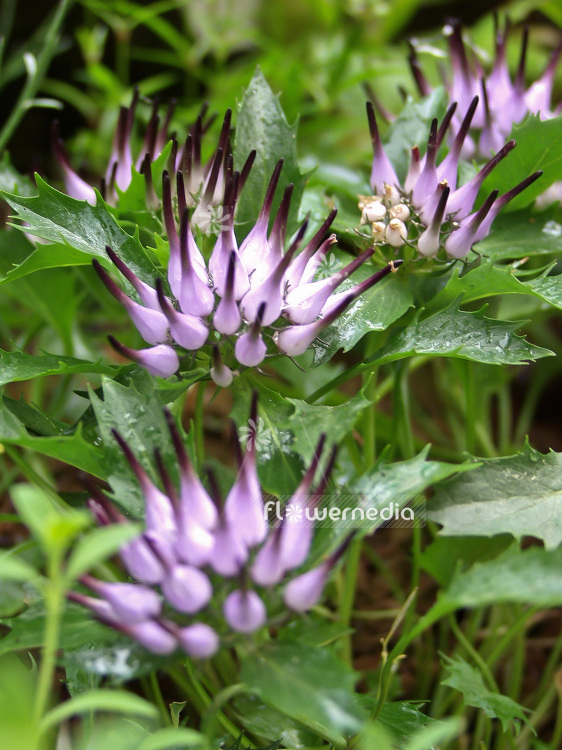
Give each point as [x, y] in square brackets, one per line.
[539, 146]
[468, 680]
[519, 495]
[523, 233]
[411, 128]
[261, 124]
[70, 448]
[311, 686]
[17, 366]
[268, 723]
[488, 280]
[55, 216]
[373, 311]
[114, 701]
[467, 335]
[98, 545]
[403, 719]
[445, 555]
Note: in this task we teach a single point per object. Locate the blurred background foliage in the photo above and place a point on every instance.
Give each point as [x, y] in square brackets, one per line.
[315, 53]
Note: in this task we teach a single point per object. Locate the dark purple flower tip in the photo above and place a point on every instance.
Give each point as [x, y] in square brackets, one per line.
[161, 361]
[382, 172]
[195, 504]
[461, 240]
[421, 81]
[502, 201]
[267, 568]
[441, 133]
[187, 330]
[146, 293]
[199, 640]
[429, 241]
[279, 229]
[187, 588]
[220, 373]
[227, 318]
[244, 611]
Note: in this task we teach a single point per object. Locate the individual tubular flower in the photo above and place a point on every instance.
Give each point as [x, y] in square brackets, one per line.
[248, 297]
[180, 592]
[505, 99]
[430, 210]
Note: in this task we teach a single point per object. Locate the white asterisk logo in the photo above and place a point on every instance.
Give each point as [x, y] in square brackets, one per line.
[211, 219]
[328, 267]
[294, 513]
[257, 434]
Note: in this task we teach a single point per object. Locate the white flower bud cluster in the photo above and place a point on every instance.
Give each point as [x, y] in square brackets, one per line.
[387, 216]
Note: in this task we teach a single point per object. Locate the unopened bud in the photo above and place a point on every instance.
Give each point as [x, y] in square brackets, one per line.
[396, 232]
[379, 228]
[391, 195]
[374, 211]
[399, 211]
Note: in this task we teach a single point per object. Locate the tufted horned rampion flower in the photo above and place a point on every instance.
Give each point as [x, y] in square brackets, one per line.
[505, 99]
[197, 552]
[430, 210]
[245, 298]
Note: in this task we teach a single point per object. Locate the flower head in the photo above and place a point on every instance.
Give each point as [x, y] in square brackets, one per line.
[197, 551]
[505, 99]
[246, 298]
[430, 210]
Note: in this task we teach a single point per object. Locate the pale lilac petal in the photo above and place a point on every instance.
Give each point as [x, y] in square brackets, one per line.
[244, 611]
[199, 640]
[187, 589]
[304, 591]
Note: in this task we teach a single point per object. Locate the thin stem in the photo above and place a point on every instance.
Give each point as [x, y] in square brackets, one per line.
[33, 82]
[348, 596]
[492, 684]
[199, 423]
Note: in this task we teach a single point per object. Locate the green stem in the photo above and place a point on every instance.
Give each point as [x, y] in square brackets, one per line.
[348, 596]
[205, 701]
[54, 604]
[470, 408]
[33, 82]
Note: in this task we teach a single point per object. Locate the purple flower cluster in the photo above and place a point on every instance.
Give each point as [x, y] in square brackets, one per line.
[506, 100]
[430, 210]
[240, 293]
[197, 551]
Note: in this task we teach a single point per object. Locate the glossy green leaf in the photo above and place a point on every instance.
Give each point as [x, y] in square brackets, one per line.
[70, 448]
[466, 335]
[447, 555]
[311, 686]
[55, 216]
[519, 495]
[268, 723]
[539, 146]
[56, 255]
[469, 681]
[261, 124]
[403, 719]
[114, 701]
[522, 234]
[488, 280]
[16, 366]
[373, 311]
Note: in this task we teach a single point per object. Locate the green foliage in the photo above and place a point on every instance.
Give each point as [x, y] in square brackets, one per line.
[469, 682]
[262, 125]
[519, 495]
